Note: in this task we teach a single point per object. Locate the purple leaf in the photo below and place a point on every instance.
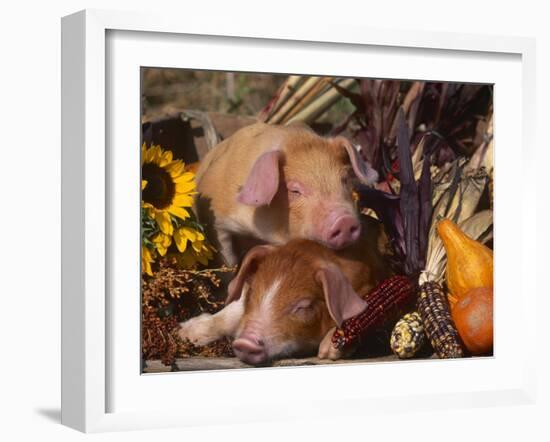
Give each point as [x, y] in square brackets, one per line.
[409, 198]
[387, 209]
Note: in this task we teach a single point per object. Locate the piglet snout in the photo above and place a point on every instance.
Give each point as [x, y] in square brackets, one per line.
[343, 232]
[250, 349]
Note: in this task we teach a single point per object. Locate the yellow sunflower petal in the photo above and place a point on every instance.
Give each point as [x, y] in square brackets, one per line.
[143, 184]
[184, 178]
[180, 212]
[162, 241]
[180, 240]
[152, 155]
[156, 155]
[189, 233]
[175, 168]
[162, 250]
[151, 210]
[165, 158]
[164, 221]
[147, 258]
[147, 268]
[182, 201]
[185, 187]
[147, 155]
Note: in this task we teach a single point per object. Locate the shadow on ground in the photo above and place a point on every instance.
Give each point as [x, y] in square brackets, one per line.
[51, 414]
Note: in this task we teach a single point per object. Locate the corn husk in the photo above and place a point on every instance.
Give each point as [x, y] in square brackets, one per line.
[483, 156]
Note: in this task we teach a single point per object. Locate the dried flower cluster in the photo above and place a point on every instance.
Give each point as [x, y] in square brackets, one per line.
[172, 296]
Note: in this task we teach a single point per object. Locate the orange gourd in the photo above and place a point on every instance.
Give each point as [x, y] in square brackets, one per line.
[473, 318]
[469, 263]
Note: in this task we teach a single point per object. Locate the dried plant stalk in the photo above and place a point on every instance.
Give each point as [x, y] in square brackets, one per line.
[294, 99]
[320, 88]
[319, 106]
[282, 95]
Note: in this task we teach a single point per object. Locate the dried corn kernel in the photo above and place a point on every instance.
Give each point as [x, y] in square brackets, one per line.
[387, 298]
[408, 336]
[438, 324]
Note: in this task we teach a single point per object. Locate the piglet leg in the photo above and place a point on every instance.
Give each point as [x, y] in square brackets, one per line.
[327, 350]
[207, 328]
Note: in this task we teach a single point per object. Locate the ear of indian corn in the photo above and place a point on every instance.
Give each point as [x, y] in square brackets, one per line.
[438, 324]
[387, 299]
[408, 336]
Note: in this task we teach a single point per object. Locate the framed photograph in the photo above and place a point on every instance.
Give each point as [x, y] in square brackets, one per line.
[249, 214]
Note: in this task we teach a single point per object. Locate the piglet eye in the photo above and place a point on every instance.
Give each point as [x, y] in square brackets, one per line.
[302, 306]
[294, 188]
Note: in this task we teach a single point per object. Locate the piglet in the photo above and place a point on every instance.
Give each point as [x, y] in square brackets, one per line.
[268, 184]
[287, 300]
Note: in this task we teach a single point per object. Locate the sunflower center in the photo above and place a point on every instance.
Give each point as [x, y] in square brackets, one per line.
[160, 189]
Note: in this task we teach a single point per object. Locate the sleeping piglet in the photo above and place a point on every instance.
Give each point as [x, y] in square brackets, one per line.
[286, 300]
[268, 184]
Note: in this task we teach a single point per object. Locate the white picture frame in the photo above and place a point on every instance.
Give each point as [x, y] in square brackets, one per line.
[90, 364]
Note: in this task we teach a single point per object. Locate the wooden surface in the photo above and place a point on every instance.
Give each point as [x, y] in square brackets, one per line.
[202, 363]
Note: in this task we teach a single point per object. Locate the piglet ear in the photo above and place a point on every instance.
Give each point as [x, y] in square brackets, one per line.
[247, 269]
[262, 182]
[342, 301]
[363, 170]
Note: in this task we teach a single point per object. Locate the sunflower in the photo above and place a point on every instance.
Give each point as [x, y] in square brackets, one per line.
[167, 191]
[166, 187]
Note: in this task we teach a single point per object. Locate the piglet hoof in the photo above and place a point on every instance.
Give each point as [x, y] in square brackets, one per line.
[199, 330]
[327, 350]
